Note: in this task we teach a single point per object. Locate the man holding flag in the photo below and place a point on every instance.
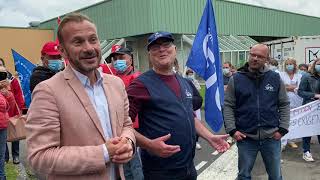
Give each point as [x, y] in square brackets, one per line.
[167, 125]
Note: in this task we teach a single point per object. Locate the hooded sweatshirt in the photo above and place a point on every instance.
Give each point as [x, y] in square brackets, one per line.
[230, 107]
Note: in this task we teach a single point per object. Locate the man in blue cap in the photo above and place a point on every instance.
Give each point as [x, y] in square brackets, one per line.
[167, 125]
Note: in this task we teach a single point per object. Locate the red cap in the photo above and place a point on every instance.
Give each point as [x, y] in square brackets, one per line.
[50, 48]
[115, 48]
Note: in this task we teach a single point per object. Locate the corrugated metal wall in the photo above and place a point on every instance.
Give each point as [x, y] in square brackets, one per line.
[176, 16]
[123, 18]
[116, 18]
[242, 19]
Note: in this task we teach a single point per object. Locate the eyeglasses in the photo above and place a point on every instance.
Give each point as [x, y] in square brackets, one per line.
[258, 56]
[156, 47]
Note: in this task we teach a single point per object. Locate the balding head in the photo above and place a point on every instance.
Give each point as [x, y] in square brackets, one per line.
[259, 54]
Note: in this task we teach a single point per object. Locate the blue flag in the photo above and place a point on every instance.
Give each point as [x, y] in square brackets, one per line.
[205, 61]
[24, 69]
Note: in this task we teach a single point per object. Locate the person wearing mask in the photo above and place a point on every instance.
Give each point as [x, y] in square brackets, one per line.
[309, 90]
[121, 59]
[14, 111]
[107, 66]
[257, 113]
[291, 79]
[52, 63]
[122, 63]
[167, 126]
[303, 69]
[273, 65]
[195, 88]
[6, 102]
[226, 70]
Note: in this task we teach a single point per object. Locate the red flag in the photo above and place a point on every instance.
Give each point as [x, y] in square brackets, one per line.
[66, 61]
[58, 22]
[115, 48]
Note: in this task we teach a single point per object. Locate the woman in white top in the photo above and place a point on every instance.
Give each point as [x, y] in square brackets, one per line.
[291, 78]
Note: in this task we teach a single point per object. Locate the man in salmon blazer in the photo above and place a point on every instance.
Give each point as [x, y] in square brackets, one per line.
[78, 125]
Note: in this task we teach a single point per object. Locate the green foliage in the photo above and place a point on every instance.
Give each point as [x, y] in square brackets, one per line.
[202, 93]
[11, 171]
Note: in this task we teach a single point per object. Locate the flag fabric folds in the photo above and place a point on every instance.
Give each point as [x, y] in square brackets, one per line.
[205, 61]
[24, 69]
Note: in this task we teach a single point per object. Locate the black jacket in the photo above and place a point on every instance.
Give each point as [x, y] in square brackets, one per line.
[196, 97]
[40, 74]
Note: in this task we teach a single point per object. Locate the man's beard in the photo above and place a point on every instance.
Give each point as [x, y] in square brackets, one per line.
[81, 67]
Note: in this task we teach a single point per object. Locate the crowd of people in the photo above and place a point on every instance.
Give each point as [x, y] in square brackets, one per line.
[257, 102]
[89, 120]
[12, 104]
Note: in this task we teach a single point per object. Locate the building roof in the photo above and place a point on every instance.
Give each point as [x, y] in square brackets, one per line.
[125, 18]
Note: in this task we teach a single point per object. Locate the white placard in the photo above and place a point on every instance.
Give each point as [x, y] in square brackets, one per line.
[304, 121]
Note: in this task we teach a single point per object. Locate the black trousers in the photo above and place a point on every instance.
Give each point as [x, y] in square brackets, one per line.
[14, 150]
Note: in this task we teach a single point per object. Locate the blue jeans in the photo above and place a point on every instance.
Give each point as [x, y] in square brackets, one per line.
[3, 143]
[306, 143]
[133, 169]
[270, 150]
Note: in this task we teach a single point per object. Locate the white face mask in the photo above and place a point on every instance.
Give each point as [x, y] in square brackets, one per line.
[190, 76]
[226, 71]
[273, 68]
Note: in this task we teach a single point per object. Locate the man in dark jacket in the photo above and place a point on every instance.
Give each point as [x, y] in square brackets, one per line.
[257, 113]
[51, 64]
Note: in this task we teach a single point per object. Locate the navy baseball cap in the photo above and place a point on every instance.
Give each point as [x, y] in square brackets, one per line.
[122, 50]
[157, 35]
[116, 49]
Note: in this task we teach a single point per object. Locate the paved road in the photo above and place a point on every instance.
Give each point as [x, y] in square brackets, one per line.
[225, 166]
[212, 167]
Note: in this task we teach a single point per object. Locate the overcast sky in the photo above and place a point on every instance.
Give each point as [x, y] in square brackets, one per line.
[18, 13]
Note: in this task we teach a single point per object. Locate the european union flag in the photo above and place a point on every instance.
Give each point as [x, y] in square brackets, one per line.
[24, 69]
[205, 61]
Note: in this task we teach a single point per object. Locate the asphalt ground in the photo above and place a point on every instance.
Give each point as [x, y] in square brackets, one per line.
[212, 166]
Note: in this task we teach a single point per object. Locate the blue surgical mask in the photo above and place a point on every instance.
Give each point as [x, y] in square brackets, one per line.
[290, 67]
[302, 72]
[317, 68]
[120, 65]
[55, 65]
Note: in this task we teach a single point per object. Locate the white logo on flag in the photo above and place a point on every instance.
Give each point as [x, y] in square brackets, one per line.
[213, 78]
